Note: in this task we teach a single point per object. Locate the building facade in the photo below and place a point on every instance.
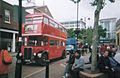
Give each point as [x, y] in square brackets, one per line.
[73, 24]
[8, 28]
[110, 25]
[9, 25]
[118, 33]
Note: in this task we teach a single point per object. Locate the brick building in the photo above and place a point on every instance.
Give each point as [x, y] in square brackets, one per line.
[9, 25]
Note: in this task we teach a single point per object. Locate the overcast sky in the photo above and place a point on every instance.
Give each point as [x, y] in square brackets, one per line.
[65, 10]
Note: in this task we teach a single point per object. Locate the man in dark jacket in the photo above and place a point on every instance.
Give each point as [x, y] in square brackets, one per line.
[105, 65]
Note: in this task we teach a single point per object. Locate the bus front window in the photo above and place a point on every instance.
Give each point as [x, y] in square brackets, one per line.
[37, 41]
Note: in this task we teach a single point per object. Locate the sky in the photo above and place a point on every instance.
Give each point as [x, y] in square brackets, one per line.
[65, 10]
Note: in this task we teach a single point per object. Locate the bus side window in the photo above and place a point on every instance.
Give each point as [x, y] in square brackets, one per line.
[56, 42]
[52, 42]
[45, 20]
[52, 23]
[56, 25]
[62, 44]
[42, 43]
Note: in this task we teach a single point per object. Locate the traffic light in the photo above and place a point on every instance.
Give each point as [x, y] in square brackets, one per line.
[112, 0]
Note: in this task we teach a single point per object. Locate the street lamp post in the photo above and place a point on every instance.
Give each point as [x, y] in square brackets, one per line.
[85, 35]
[77, 29]
[18, 68]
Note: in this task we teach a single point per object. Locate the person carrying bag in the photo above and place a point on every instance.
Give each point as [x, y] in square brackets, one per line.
[5, 61]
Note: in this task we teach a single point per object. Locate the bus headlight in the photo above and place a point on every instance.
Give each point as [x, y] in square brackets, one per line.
[20, 54]
[34, 54]
[39, 55]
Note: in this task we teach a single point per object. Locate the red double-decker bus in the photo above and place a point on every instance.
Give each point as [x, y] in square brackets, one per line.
[42, 37]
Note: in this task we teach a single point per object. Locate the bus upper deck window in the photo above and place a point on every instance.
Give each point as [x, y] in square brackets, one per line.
[45, 20]
[28, 20]
[37, 19]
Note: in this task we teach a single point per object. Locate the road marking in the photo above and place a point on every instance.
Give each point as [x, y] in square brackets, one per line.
[34, 73]
[63, 65]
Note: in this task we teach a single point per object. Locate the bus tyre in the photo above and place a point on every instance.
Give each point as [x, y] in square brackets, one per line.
[63, 55]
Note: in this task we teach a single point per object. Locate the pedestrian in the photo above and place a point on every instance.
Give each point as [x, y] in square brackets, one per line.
[114, 50]
[78, 65]
[105, 66]
[109, 49]
[69, 63]
[9, 47]
[5, 61]
[102, 49]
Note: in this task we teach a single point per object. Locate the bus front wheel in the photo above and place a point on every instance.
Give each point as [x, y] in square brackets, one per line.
[42, 61]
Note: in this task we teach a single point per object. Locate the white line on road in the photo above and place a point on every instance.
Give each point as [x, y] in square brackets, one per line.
[34, 73]
[63, 65]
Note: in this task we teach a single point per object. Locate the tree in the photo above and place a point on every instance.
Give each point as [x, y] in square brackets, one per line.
[71, 33]
[99, 6]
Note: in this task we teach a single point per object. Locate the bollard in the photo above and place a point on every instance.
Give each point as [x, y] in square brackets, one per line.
[18, 68]
[47, 69]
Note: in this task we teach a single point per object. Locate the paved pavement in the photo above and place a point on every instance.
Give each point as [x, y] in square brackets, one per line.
[32, 71]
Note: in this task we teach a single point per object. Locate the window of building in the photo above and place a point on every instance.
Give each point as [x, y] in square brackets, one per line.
[7, 16]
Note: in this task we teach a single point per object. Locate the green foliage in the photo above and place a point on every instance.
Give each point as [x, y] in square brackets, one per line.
[101, 31]
[71, 33]
[89, 32]
[94, 3]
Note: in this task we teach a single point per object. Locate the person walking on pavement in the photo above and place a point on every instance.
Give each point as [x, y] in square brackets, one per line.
[5, 61]
[78, 65]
